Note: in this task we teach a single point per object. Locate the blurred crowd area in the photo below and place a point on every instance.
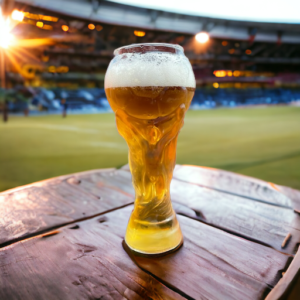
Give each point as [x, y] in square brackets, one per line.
[35, 100]
[54, 54]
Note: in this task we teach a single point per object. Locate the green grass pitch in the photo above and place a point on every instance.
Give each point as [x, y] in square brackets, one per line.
[259, 142]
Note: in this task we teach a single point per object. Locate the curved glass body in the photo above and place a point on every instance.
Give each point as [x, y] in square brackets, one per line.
[150, 87]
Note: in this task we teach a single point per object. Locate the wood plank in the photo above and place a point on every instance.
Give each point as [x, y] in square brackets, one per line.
[293, 194]
[267, 224]
[117, 180]
[52, 203]
[71, 201]
[87, 261]
[258, 221]
[288, 287]
[35, 208]
[232, 183]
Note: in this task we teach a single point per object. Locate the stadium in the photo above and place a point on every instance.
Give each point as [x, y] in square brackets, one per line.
[242, 63]
[149, 150]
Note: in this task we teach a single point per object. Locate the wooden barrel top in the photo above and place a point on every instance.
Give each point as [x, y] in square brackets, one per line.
[63, 239]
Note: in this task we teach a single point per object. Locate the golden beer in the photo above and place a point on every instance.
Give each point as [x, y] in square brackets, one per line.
[149, 118]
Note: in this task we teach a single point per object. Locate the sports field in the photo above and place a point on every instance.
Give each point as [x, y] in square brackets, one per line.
[260, 142]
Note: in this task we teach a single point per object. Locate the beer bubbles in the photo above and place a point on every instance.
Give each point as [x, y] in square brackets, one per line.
[149, 68]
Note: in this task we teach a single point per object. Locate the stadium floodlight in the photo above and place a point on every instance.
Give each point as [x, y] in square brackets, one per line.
[139, 33]
[39, 24]
[202, 37]
[65, 28]
[6, 37]
[17, 15]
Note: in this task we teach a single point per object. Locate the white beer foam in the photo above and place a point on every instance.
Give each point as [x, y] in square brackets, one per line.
[149, 69]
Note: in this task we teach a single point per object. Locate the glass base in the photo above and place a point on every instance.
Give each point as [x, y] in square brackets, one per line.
[139, 253]
[152, 238]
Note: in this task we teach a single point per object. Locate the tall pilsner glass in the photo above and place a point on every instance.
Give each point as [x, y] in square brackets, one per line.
[150, 87]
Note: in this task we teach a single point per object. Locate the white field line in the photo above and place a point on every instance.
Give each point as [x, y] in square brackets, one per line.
[56, 127]
[115, 146]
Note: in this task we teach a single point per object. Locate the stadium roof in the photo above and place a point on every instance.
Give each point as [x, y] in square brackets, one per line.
[128, 15]
[253, 10]
[86, 32]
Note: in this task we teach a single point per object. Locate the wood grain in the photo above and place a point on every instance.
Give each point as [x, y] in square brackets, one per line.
[55, 202]
[225, 200]
[293, 194]
[51, 203]
[289, 283]
[232, 183]
[77, 262]
[199, 267]
[257, 221]
[87, 261]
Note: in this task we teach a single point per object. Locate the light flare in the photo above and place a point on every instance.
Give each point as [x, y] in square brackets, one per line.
[65, 28]
[220, 73]
[202, 37]
[18, 51]
[139, 33]
[17, 15]
[39, 24]
[6, 37]
[33, 43]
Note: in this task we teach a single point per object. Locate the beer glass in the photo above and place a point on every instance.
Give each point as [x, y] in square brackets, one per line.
[149, 87]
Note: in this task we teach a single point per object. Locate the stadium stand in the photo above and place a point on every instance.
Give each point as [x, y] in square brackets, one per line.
[242, 63]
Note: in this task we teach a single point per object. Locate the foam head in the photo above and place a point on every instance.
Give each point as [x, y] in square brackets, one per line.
[150, 65]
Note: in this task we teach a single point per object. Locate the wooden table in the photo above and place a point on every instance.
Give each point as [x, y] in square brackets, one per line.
[62, 239]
